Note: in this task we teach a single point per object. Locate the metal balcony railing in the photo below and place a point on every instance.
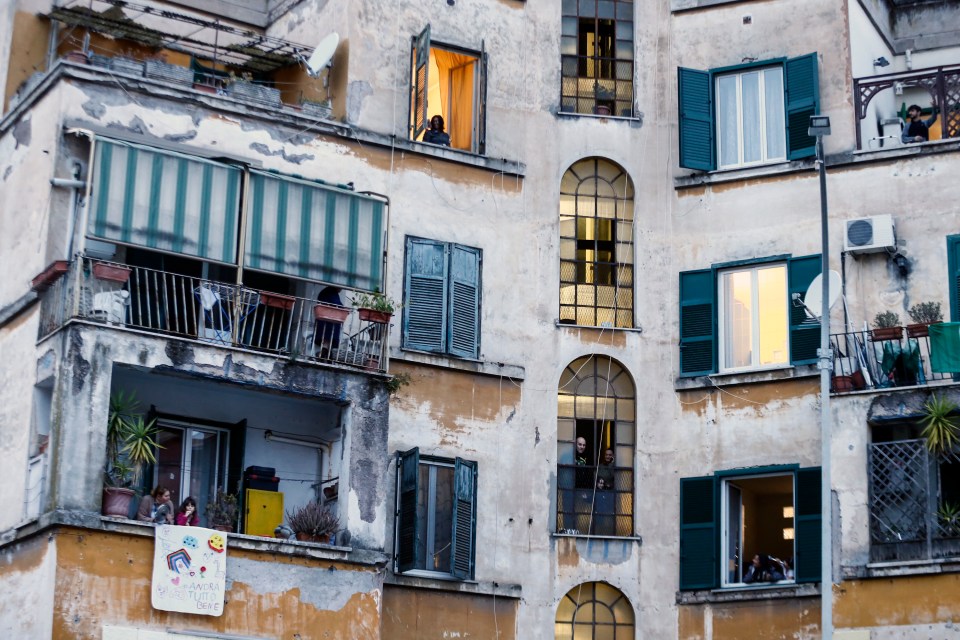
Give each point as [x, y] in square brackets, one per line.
[863, 361]
[215, 313]
[942, 83]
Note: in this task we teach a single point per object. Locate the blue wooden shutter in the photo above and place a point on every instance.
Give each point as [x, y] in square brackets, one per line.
[802, 99]
[807, 538]
[697, 132]
[408, 530]
[697, 323]
[419, 83]
[425, 305]
[804, 333]
[953, 271]
[464, 519]
[464, 297]
[699, 568]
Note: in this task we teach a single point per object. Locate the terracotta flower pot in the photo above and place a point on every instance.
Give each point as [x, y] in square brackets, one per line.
[331, 313]
[111, 272]
[370, 315]
[116, 502]
[306, 537]
[886, 333]
[919, 330]
[277, 300]
[49, 275]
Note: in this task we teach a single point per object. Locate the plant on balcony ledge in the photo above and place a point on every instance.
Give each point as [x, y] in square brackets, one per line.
[948, 517]
[222, 512]
[313, 523]
[886, 327]
[923, 315]
[131, 444]
[375, 307]
[939, 424]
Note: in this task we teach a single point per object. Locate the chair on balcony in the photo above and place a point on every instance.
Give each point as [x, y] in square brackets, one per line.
[110, 306]
[214, 322]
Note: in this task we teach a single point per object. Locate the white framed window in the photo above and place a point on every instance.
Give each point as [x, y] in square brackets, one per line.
[754, 317]
[758, 529]
[751, 127]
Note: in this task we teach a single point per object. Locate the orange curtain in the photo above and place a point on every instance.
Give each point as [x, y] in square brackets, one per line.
[456, 73]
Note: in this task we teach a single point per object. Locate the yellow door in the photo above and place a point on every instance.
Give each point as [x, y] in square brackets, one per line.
[264, 512]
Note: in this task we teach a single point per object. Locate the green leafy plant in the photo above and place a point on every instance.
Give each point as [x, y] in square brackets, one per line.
[948, 515]
[926, 312]
[223, 511]
[313, 520]
[131, 441]
[886, 319]
[376, 301]
[397, 382]
[939, 424]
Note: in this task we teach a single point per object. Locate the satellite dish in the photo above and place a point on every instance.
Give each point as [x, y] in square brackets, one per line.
[321, 56]
[813, 300]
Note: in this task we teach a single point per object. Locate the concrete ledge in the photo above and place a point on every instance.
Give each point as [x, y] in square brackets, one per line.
[482, 367]
[689, 5]
[901, 569]
[746, 377]
[748, 594]
[453, 585]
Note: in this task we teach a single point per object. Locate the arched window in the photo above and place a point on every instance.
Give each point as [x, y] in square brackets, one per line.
[595, 445]
[594, 611]
[596, 245]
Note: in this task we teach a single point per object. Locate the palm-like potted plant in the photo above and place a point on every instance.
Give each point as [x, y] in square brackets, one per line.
[375, 307]
[886, 326]
[939, 424]
[948, 517]
[223, 511]
[131, 445]
[313, 522]
[923, 315]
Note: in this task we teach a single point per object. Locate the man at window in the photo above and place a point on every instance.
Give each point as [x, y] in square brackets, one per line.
[919, 129]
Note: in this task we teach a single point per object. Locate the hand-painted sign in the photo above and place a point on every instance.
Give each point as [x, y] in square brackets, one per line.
[189, 570]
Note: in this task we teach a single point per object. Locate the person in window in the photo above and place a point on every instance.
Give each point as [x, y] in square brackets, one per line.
[435, 134]
[764, 568]
[156, 504]
[187, 514]
[568, 479]
[605, 470]
[919, 129]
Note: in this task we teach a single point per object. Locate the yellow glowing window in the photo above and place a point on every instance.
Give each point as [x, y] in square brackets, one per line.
[753, 318]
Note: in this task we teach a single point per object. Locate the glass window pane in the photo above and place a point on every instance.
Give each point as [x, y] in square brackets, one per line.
[569, 7]
[443, 521]
[727, 120]
[750, 123]
[568, 45]
[588, 8]
[624, 30]
[624, 49]
[774, 111]
[604, 632]
[569, 27]
[737, 318]
[582, 631]
[773, 320]
[605, 9]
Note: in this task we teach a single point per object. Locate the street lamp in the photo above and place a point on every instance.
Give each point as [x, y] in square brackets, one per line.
[820, 127]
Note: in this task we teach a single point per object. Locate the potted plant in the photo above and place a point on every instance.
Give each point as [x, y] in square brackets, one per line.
[277, 300]
[923, 315]
[111, 272]
[313, 522]
[223, 511]
[948, 517]
[939, 424]
[375, 307]
[131, 445]
[330, 312]
[886, 326]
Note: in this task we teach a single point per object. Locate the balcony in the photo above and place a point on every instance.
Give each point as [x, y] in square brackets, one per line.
[882, 100]
[218, 314]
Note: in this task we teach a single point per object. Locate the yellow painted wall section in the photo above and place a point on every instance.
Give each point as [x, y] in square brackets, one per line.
[28, 51]
[104, 578]
[905, 600]
[756, 397]
[421, 614]
[779, 619]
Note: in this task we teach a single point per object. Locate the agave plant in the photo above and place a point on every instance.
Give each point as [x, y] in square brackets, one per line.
[939, 424]
[948, 515]
[313, 520]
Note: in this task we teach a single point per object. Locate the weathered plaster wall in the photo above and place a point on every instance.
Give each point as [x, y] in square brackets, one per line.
[901, 606]
[27, 572]
[28, 40]
[795, 618]
[420, 614]
[104, 578]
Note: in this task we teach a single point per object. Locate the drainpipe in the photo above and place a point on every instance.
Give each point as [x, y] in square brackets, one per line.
[74, 184]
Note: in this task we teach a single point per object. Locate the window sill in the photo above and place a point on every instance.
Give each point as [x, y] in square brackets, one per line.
[500, 165]
[748, 594]
[904, 150]
[688, 5]
[723, 176]
[900, 569]
[445, 361]
[583, 536]
[746, 377]
[564, 325]
[440, 583]
[596, 116]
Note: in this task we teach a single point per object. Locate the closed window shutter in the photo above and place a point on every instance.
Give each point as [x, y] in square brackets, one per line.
[699, 568]
[464, 295]
[697, 323]
[953, 266]
[802, 100]
[464, 519]
[807, 525]
[697, 134]
[408, 534]
[804, 332]
[424, 309]
[419, 83]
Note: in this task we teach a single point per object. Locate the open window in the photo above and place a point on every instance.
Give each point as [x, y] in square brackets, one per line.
[450, 82]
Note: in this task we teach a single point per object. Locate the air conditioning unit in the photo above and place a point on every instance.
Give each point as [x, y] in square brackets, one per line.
[869, 235]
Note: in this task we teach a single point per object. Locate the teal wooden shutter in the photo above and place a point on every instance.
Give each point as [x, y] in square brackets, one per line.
[697, 323]
[464, 519]
[419, 83]
[464, 299]
[699, 568]
[804, 332]
[807, 538]
[953, 270]
[802, 99]
[408, 529]
[425, 305]
[697, 131]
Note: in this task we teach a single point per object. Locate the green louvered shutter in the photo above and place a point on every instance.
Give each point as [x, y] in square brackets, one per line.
[464, 300]
[953, 268]
[697, 323]
[802, 100]
[464, 523]
[425, 305]
[408, 530]
[807, 536]
[697, 132]
[699, 568]
[804, 332]
[419, 83]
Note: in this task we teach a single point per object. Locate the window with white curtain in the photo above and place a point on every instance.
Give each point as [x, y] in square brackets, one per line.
[751, 127]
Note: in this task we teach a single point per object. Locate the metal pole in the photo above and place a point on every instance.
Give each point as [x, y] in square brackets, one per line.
[825, 364]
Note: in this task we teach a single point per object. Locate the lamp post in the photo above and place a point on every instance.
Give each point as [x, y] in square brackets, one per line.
[820, 127]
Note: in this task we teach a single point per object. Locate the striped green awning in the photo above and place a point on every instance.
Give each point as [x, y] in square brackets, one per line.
[164, 200]
[313, 231]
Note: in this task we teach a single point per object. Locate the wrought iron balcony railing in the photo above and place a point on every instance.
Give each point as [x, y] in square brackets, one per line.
[866, 360]
[215, 313]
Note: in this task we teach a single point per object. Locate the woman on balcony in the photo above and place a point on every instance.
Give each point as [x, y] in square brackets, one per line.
[156, 507]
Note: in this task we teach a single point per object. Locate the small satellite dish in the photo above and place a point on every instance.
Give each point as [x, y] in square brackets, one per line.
[813, 300]
[322, 55]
